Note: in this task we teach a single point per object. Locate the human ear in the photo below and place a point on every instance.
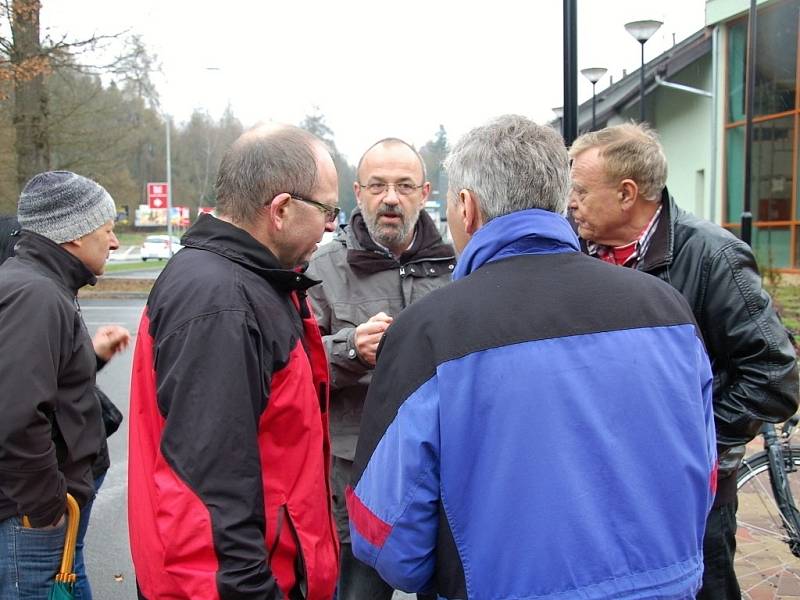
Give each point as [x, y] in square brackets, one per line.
[277, 210]
[470, 211]
[628, 193]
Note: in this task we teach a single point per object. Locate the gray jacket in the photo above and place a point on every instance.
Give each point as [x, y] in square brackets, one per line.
[354, 288]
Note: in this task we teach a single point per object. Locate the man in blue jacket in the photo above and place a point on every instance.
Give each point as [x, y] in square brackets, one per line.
[542, 427]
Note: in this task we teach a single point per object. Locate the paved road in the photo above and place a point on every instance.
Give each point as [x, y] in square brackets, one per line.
[107, 553]
[107, 550]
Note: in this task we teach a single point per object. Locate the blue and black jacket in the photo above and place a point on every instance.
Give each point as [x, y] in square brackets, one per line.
[540, 428]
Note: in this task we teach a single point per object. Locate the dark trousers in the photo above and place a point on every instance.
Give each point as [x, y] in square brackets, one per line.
[719, 548]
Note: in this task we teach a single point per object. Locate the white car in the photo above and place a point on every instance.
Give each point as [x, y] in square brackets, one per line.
[157, 246]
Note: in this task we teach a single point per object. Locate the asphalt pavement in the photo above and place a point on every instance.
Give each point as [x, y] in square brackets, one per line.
[107, 549]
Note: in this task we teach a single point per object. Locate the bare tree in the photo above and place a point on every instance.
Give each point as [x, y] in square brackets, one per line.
[315, 124]
[29, 64]
[26, 60]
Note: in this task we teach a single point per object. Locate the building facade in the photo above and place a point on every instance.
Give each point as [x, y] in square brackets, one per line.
[695, 98]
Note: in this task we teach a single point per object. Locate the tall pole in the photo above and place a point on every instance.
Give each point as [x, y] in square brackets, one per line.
[594, 74]
[570, 128]
[641, 32]
[169, 191]
[747, 215]
[641, 86]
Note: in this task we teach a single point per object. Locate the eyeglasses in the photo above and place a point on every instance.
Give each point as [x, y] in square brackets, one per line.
[403, 189]
[330, 212]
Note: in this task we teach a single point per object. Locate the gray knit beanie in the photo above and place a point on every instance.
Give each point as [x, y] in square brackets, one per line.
[63, 206]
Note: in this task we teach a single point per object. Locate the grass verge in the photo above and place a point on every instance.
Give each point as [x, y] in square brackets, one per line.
[787, 302]
[124, 267]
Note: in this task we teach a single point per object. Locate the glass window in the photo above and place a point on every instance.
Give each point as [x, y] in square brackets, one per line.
[776, 62]
[797, 247]
[772, 247]
[737, 58]
[734, 157]
[771, 171]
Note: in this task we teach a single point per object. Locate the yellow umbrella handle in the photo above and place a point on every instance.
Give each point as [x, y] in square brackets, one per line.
[70, 538]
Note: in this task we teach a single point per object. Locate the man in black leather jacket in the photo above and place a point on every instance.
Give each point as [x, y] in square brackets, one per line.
[624, 215]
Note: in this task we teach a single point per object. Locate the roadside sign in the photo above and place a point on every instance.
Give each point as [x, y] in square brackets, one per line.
[157, 195]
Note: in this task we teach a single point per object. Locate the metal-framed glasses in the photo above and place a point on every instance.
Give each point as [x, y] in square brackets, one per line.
[330, 212]
[403, 188]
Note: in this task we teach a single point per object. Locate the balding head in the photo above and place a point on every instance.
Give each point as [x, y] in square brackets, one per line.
[265, 161]
[389, 143]
[391, 191]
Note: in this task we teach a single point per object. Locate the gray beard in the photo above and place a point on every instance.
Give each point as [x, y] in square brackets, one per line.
[389, 236]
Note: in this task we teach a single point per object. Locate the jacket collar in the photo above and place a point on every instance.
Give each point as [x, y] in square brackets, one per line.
[660, 252]
[364, 255]
[531, 231]
[53, 261]
[235, 244]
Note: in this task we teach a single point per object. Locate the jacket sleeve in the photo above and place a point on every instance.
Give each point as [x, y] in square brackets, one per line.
[394, 502]
[346, 367]
[213, 378]
[745, 335]
[29, 474]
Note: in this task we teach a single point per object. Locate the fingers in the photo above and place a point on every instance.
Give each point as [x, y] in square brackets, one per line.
[109, 340]
[368, 336]
[381, 317]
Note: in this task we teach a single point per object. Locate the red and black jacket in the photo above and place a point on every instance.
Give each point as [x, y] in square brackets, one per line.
[229, 452]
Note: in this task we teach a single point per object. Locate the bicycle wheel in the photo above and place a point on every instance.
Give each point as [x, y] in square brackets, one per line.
[765, 566]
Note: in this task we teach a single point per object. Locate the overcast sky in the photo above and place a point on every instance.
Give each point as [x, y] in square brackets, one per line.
[374, 68]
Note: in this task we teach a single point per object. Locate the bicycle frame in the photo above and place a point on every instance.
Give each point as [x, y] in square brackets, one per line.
[779, 453]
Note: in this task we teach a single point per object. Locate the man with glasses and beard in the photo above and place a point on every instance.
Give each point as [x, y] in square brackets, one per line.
[389, 255]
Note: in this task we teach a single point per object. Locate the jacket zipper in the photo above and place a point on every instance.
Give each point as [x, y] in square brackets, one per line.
[300, 589]
[278, 529]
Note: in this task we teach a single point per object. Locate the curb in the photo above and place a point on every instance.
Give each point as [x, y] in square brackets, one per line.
[112, 295]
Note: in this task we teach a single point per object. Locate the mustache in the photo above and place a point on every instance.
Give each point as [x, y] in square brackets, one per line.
[390, 211]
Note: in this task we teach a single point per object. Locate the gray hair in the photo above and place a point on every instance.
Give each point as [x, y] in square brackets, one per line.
[511, 164]
[631, 151]
[392, 141]
[265, 161]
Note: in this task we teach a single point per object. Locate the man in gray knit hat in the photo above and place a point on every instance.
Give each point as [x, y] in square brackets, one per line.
[51, 430]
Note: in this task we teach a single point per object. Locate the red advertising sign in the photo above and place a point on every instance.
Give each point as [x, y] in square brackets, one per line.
[157, 195]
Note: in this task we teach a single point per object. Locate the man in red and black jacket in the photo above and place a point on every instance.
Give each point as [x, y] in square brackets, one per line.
[229, 450]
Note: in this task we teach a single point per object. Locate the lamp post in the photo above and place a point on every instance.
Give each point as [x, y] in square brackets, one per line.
[642, 31]
[167, 128]
[594, 74]
[167, 123]
[569, 123]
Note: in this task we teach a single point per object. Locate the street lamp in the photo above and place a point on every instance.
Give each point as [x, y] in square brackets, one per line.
[642, 31]
[594, 74]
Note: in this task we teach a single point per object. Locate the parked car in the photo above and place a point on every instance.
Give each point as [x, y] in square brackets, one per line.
[157, 246]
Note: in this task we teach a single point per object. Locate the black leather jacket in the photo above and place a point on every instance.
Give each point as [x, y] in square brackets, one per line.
[754, 363]
[753, 360]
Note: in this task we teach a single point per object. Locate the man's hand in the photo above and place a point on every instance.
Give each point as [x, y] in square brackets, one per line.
[369, 334]
[109, 340]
